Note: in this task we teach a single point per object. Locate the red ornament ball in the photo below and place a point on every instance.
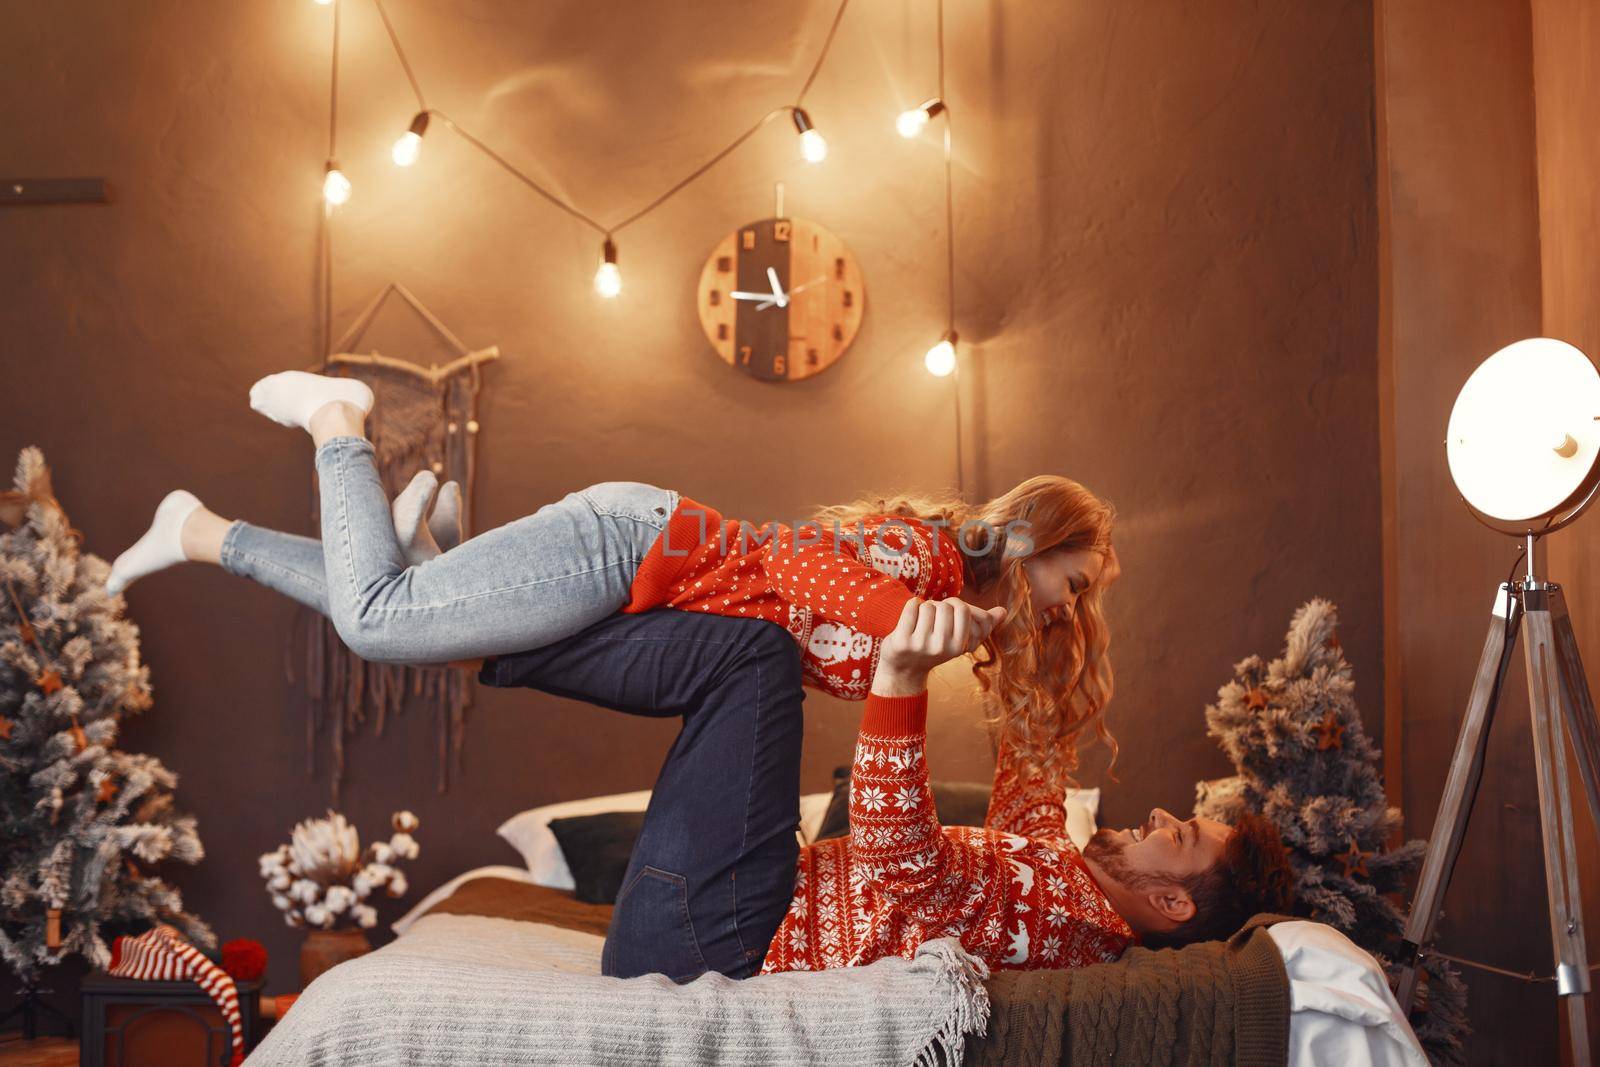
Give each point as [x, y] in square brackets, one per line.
[245, 959]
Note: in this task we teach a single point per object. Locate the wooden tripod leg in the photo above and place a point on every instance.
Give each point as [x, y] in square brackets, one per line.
[1583, 728]
[1460, 788]
[1545, 700]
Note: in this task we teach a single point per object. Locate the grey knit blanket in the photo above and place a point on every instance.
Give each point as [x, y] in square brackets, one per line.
[474, 990]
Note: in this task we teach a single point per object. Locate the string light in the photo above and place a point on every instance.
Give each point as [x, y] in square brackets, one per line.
[608, 279]
[941, 358]
[813, 146]
[409, 146]
[912, 122]
[335, 186]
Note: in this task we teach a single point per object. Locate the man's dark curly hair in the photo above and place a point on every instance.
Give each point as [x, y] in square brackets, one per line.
[1252, 876]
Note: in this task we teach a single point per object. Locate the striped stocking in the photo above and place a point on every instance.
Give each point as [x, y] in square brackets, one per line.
[162, 955]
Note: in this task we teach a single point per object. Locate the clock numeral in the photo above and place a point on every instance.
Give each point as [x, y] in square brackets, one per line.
[780, 230]
[744, 354]
[780, 365]
[811, 357]
[722, 331]
[838, 267]
[749, 239]
[724, 264]
[838, 332]
[716, 297]
[849, 298]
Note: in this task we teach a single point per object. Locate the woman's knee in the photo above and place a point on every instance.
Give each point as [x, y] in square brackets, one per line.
[633, 500]
[375, 637]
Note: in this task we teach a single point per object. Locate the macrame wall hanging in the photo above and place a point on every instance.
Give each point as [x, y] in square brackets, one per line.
[425, 416]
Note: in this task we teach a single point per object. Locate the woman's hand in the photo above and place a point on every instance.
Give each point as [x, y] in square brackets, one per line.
[929, 633]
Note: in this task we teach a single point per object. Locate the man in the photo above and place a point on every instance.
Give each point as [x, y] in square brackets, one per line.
[1016, 892]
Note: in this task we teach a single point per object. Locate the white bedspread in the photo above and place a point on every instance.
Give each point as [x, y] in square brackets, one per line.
[473, 990]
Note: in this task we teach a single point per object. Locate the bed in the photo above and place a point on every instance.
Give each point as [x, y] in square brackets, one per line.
[1338, 1008]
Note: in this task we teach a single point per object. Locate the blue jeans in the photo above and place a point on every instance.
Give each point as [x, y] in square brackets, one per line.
[522, 585]
[713, 871]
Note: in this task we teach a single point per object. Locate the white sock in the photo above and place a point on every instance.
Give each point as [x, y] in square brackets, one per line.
[444, 521]
[160, 547]
[408, 511]
[291, 397]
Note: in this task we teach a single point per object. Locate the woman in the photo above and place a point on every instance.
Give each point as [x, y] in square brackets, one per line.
[838, 584]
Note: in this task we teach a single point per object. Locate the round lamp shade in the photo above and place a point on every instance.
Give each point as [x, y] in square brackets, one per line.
[1525, 432]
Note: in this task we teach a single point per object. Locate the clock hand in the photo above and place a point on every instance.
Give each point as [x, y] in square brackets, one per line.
[807, 285]
[769, 301]
[751, 296]
[778, 296]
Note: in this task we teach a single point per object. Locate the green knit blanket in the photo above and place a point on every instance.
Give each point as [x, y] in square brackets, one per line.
[1213, 1003]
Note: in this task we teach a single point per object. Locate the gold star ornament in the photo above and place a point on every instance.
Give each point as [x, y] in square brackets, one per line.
[1354, 861]
[1330, 732]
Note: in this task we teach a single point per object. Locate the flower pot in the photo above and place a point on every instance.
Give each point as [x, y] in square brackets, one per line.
[329, 948]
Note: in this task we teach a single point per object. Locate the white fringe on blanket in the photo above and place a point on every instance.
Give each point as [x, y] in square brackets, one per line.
[467, 989]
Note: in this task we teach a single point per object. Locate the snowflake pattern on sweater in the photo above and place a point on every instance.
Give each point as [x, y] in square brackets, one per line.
[837, 590]
[1015, 891]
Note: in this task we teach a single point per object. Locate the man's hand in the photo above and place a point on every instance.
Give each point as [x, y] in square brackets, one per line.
[928, 633]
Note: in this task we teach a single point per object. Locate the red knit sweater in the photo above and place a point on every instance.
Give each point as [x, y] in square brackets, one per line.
[1016, 892]
[838, 591]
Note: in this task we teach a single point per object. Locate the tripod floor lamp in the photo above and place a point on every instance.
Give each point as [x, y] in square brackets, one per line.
[1524, 450]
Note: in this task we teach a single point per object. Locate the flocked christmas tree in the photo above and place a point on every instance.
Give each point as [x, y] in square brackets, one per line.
[81, 822]
[1305, 762]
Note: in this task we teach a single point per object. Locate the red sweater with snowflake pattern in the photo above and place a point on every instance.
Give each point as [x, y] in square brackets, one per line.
[1016, 892]
[838, 591]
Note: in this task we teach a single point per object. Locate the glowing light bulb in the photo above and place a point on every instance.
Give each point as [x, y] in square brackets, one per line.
[941, 358]
[409, 146]
[813, 146]
[407, 149]
[910, 123]
[608, 279]
[323, 3]
[335, 186]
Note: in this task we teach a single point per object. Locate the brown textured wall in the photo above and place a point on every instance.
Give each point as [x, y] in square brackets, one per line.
[1167, 271]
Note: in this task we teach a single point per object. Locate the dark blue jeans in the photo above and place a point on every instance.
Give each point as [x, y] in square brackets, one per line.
[712, 873]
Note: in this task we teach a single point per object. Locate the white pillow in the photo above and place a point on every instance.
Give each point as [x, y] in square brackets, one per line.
[1083, 809]
[529, 833]
[1341, 1009]
[515, 874]
[813, 808]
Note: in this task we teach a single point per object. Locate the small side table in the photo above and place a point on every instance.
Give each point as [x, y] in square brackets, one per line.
[132, 1023]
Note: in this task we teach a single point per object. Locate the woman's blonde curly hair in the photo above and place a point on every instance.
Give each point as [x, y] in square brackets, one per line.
[1045, 684]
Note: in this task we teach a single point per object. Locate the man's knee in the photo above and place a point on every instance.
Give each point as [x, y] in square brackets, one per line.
[773, 649]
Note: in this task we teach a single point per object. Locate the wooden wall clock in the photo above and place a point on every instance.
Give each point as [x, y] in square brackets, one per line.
[781, 299]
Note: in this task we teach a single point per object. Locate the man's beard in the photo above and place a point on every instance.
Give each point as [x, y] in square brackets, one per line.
[1107, 850]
